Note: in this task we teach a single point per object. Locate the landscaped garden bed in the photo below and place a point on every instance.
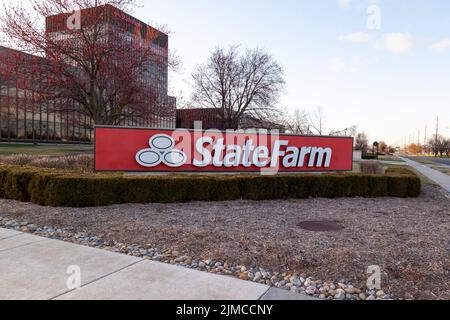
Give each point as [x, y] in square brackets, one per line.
[264, 241]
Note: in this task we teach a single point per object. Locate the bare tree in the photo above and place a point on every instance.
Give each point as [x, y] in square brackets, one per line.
[312, 123]
[298, 123]
[239, 85]
[447, 147]
[440, 145]
[361, 142]
[91, 62]
[347, 132]
[317, 120]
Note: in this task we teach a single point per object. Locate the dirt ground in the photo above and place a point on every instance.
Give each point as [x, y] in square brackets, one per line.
[408, 238]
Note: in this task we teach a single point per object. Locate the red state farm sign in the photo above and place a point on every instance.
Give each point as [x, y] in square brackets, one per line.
[159, 150]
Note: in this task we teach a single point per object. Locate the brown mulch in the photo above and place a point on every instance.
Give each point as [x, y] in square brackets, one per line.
[408, 238]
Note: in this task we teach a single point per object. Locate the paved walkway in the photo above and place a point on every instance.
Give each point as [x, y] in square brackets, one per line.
[37, 268]
[440, 178]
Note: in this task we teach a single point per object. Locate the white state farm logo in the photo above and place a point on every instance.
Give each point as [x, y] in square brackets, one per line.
[161, 151]
[217, 153]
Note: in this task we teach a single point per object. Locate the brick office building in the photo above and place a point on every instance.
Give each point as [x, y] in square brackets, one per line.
[212, 118]
[24, 116]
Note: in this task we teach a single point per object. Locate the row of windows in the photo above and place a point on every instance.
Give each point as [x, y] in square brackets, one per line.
[24, 119]
[47, 128]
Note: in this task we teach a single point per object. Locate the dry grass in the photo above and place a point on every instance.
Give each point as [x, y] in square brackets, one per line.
[43, 149]
[371, 167]
[442, 169]
[83, 162]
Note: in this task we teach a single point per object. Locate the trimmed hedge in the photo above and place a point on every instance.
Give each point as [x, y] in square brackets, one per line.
[403, 181]
[369, 156]
[58, 188]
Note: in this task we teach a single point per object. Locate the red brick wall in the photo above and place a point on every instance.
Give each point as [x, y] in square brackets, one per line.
[211, 118]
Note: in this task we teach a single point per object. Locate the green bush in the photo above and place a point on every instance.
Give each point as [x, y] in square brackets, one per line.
[40, 188]
[59, 188]
[414, 186]
[341, 187]
[16, 184]
[73, 191]
[262, 187]
[398, 186]
[403, 182]
[300, 190]
[223, 189]
[359, 185]
[3, 174]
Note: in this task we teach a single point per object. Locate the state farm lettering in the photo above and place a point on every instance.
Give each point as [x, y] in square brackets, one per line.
[250, 155]
[151, 150]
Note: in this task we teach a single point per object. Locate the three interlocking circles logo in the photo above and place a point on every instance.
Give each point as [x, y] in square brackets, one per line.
[162, 150]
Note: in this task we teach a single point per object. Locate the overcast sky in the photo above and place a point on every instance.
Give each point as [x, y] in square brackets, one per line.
[383, 65]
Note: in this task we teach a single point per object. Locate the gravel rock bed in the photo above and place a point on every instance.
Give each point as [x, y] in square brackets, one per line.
[288, 281]
[262, 241]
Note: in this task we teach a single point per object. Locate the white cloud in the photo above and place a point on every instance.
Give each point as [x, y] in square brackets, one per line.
[337, 64]
[351, 64]
[398, 43]
[344, 3]
[441, 46]
[357, 37]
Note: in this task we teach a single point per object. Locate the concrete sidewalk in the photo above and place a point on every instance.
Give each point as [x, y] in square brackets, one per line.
[438, 177]
[37, 268]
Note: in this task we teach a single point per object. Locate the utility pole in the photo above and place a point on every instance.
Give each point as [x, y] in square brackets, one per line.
[436, 141]
[418, 142]
[437, 130]
[425, 139]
